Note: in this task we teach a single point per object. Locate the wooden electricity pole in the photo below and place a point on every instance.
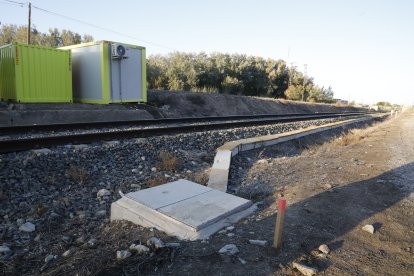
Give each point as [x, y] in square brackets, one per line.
[29, 23]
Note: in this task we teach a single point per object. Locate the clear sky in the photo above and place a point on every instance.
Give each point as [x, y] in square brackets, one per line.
[364, 49]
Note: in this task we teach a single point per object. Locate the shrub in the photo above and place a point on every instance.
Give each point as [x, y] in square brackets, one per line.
[168, 162]
[77, 174]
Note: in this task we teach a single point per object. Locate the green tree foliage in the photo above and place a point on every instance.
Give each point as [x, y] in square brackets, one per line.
[54, 38]
[385, 104]
[232, 74]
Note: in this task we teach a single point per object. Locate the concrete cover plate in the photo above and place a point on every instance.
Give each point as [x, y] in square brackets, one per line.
[182, 208]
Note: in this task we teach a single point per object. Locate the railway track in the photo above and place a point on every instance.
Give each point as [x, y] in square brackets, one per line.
[48, 135]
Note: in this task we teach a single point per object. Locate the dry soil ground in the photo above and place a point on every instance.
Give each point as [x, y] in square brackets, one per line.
[371, 174]
[332, 190]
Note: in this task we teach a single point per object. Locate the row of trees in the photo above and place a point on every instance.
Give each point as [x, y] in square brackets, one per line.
[221, 73]
[233, 74]
[54, 38]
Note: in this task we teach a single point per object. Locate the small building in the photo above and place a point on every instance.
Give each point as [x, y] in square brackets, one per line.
[35, 74]
[108, 72]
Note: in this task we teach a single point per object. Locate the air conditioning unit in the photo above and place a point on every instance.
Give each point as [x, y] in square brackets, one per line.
[119, 51]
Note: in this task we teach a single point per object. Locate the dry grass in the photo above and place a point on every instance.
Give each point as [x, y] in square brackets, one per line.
[77, 174]
[156, 181]
[351, 137]
[168, 162]
[200, 177]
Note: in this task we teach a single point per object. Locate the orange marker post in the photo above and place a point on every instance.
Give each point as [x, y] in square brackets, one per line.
[281, 207]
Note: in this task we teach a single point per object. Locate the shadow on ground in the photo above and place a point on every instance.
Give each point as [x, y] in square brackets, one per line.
[321, 219]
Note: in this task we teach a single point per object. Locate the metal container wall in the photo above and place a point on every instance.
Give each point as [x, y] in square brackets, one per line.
[34, 74]
[100, 78]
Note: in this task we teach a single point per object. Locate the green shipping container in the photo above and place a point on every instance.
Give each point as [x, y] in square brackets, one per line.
[34, 74]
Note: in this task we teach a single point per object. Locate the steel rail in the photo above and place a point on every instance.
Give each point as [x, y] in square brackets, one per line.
[21, 144]
[112, 124]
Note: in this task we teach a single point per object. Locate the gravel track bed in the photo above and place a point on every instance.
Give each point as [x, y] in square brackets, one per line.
[40, 134]
[60, 190]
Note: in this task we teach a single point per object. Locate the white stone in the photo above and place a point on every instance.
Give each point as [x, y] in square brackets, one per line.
[155, 242]
[66, 253]
[369, 228]
[327, 186]
[258, 242]
[143, 158]
[243, 262]
[139, 248]
[229, 249]
[134, 170]
[153, 169]
[49, 258]
[122, 254]
[324, 249]
[103, 193]
[4, 250]
[28, 227]
[230, 228]
[304, 269]
[230, 235]
[92, 242]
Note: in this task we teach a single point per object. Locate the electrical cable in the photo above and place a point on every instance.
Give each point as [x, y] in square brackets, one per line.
[13, 3]
[101, 28]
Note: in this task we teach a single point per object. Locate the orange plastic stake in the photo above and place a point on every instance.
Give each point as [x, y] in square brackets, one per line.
[281, 207]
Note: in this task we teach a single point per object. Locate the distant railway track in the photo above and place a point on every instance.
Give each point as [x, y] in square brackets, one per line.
[48, 135]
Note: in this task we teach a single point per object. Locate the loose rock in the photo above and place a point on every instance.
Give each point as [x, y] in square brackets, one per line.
[139, 248]
[122, 254]
[5, 250]
[49, 258]
[229, 249]
[230, 228]
[369, 228]
[66, 253]
[258, 242]
[92, 242]
[324, 249]
[103, 193]
[304, 269]
[28, 227]
[155, 242]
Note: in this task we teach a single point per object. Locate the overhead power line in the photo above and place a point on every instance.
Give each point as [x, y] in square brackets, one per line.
[99, 27]
[13, 3]
[16, 3]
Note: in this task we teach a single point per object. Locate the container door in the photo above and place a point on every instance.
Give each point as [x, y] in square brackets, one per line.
[126, 76]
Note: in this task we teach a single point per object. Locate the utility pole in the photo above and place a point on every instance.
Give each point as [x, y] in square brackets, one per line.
[305, 67]
[29, 23]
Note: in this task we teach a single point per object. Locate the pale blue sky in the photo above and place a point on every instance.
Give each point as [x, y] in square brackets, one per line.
[363, 49]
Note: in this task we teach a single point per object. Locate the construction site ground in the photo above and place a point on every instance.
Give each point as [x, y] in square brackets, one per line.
[333, 190]
[333, 186]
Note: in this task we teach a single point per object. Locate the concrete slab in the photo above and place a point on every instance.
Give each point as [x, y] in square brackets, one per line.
[182, 208]
[167, 194]
[205, 209]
